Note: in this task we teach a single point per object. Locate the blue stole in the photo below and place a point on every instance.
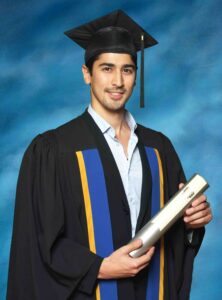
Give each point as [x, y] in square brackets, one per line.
[99, 222]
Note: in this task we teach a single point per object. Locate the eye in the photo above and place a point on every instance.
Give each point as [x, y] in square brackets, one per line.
[107, 69]
[128, 70]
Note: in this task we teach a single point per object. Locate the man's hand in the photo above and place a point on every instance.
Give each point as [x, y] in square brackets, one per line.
[198, 214]
[120, 265]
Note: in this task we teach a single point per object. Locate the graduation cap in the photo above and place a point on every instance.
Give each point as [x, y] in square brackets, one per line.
[113, 33]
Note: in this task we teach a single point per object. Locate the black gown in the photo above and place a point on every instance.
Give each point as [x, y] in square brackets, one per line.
[50, 256]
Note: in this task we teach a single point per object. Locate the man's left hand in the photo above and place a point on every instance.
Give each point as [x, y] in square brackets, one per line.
[198, 214]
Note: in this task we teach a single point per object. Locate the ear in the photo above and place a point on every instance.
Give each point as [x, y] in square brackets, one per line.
[86, 74]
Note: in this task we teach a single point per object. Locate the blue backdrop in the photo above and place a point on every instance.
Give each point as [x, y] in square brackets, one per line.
[41, 87]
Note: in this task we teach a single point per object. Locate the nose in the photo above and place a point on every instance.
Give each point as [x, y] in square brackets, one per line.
[117, 79]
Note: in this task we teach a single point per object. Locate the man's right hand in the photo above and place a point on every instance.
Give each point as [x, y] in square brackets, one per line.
[120, 265]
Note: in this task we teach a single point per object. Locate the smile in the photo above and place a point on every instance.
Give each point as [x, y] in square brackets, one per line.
[116, 95]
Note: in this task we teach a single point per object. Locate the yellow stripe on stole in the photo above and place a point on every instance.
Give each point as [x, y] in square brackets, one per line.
[88, 209]
[161, 281]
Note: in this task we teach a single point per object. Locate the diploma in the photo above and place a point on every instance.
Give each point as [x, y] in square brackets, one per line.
[169, 214]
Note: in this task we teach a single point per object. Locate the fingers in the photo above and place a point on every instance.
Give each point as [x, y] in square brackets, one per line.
[132, 246]
[199, 222]
[121, 265]
[198, 215]
[181, 185]
[141, 262]
[202, 198]
[199, 209]
[198, 206]
[145, 258]
[200, 219]
[135, 245]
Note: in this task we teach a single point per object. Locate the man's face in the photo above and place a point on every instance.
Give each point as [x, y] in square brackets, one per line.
[112, 81]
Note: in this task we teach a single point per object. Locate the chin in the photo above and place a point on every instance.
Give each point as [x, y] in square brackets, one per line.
[116, 107]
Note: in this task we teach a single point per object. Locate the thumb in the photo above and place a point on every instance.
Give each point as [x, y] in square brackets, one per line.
[181, 185]
[133, 246]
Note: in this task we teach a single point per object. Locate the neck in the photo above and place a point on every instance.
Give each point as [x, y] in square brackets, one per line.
[114, 118]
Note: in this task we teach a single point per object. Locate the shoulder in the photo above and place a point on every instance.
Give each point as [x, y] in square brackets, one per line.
[59, 139]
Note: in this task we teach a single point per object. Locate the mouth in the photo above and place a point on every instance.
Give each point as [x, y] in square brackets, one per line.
[116, 95]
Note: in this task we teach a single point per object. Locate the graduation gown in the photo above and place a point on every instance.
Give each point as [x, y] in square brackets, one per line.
[50, 256]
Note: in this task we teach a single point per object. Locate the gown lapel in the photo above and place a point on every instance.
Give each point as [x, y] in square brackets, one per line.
[146, 192]
[118, 204]
[117, 196]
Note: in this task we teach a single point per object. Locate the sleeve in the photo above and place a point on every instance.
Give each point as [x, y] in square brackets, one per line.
[44, 263]
[183, 251]
[175, 176]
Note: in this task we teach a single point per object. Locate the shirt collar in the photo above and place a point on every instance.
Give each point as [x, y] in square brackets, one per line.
[104, 126]
[130, 121]
[100, 122]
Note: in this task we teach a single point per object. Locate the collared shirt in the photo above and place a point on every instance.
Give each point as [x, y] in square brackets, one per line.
[130, 166]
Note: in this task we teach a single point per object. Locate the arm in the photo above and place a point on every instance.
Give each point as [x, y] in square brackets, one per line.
[42, 253]
[181, 250]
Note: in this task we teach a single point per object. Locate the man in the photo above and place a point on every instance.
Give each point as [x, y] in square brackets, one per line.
[85, 188]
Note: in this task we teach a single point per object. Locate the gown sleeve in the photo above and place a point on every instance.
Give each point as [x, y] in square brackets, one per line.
[183, 252]
[44, 263]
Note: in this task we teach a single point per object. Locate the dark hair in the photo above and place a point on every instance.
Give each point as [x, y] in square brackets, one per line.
[91, 61]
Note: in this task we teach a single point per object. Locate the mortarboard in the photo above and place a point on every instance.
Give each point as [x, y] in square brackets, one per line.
[114, 33]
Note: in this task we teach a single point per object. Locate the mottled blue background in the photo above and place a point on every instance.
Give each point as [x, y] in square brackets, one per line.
[41, 87]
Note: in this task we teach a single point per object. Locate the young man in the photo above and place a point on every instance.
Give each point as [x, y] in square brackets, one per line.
[86, 187]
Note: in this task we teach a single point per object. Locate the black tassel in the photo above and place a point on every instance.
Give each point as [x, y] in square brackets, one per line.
[142, 72]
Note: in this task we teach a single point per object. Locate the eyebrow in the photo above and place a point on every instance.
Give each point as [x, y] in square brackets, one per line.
[113, 65]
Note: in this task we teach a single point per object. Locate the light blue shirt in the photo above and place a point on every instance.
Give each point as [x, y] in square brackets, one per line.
[130, 166]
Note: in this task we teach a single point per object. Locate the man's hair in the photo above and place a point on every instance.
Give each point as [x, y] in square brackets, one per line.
[91, 61]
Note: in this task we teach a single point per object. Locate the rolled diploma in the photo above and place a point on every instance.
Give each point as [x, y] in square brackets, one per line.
[170, 213]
